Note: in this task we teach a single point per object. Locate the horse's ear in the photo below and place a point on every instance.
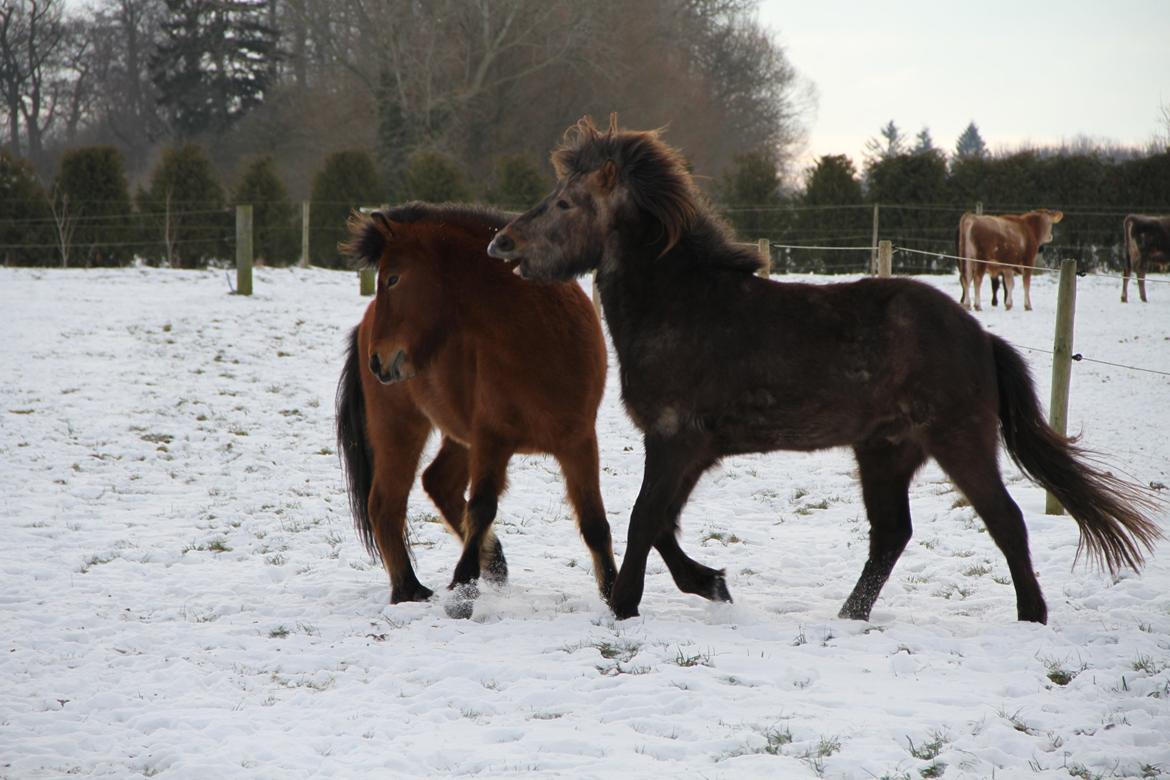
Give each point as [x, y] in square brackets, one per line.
[607, 176]
[383, 223]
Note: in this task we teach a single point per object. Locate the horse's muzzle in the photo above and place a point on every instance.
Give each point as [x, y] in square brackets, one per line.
[398, 370]
[502, 247]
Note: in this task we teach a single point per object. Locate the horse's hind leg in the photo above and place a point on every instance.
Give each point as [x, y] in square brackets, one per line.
[488, 470]
[396, 453]
[971, 463]
[886, 470]
[445, 481]
[580, 466]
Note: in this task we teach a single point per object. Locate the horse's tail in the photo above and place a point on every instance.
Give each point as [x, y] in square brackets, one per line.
[965, 250]
[353, 444]
[1111, 513]
[1129, 253]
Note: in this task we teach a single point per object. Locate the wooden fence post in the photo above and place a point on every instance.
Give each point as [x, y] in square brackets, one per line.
[243, 250]
[1062, 343]
[978, 207]
[885, 261]
[765, 258]
[304, 234]
[873, 258]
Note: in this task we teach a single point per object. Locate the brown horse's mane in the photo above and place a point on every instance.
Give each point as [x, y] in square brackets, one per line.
[656, 176]
[367, 236]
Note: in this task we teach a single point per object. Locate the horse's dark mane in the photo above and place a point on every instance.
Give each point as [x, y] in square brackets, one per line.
[367, 239]
[656, 176]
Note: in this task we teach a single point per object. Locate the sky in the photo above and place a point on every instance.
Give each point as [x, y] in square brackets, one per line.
[1024, 72]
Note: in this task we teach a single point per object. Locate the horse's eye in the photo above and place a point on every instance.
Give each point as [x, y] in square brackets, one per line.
[562, 204]
[391, 280]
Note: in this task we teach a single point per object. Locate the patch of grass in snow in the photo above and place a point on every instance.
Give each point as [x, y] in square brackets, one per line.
[1018, 723]
[280, 632]
[721, 537]
[623, 650]
[1146, 664]
[934, 769]
[686, 660]
[931, 748]
[1057, 672]
[96, 560]
[815, 756]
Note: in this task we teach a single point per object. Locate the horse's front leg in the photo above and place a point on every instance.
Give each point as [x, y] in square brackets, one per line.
[488, 470]
[672, 468]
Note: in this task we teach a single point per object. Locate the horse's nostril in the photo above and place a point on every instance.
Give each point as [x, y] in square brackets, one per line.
[505, 243]
[375, 365]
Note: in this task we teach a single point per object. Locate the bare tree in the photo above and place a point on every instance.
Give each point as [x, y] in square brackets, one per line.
[64, 223]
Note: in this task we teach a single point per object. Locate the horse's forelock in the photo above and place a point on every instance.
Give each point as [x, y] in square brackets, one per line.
[367, 240]
[653, 172]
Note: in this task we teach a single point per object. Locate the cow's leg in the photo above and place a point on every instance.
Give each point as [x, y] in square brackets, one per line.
[1009, 281]
[1141, 275]
[964, 283]
[977, 280]
[1125, 284]
[1027, 277]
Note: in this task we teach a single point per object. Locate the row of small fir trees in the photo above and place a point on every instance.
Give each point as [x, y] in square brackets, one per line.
[184, 217]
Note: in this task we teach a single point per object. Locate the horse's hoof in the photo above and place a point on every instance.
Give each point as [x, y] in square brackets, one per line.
[415, 592]
[719, 591]
[496, 572]
[624, 613]
[462, 601]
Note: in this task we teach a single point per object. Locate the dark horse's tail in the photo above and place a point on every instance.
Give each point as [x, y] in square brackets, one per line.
[353, 445]
[1111, 513]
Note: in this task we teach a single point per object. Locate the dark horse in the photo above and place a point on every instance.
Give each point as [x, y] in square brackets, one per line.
[456, 341]
[717, 361]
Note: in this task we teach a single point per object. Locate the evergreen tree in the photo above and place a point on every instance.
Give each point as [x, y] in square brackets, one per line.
[346, 182]
[274, 234]
[749, 193]
[518, 183]
[970, 144]
[183, 209]
[26, 224]
[832, 213]
[923, 143]
[889, 143]
[435, 177]
[901, 184]
[93, 182]
[214, 64]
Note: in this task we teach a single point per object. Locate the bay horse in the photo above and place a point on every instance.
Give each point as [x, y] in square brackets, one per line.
[1001, 246]
[717, 361]
[454, 340]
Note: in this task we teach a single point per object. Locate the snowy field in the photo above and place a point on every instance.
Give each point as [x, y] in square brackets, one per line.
[182, 593]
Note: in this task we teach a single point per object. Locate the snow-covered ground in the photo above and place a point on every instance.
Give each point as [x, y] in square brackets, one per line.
[182, 593]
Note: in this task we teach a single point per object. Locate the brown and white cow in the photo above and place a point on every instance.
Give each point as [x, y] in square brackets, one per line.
[1147, 242]
[1002, 244]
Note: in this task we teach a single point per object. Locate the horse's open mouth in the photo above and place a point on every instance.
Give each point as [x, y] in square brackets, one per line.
[521, 268]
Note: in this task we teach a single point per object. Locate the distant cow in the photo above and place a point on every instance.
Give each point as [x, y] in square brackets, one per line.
[1147, 242]
[1003, 244]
